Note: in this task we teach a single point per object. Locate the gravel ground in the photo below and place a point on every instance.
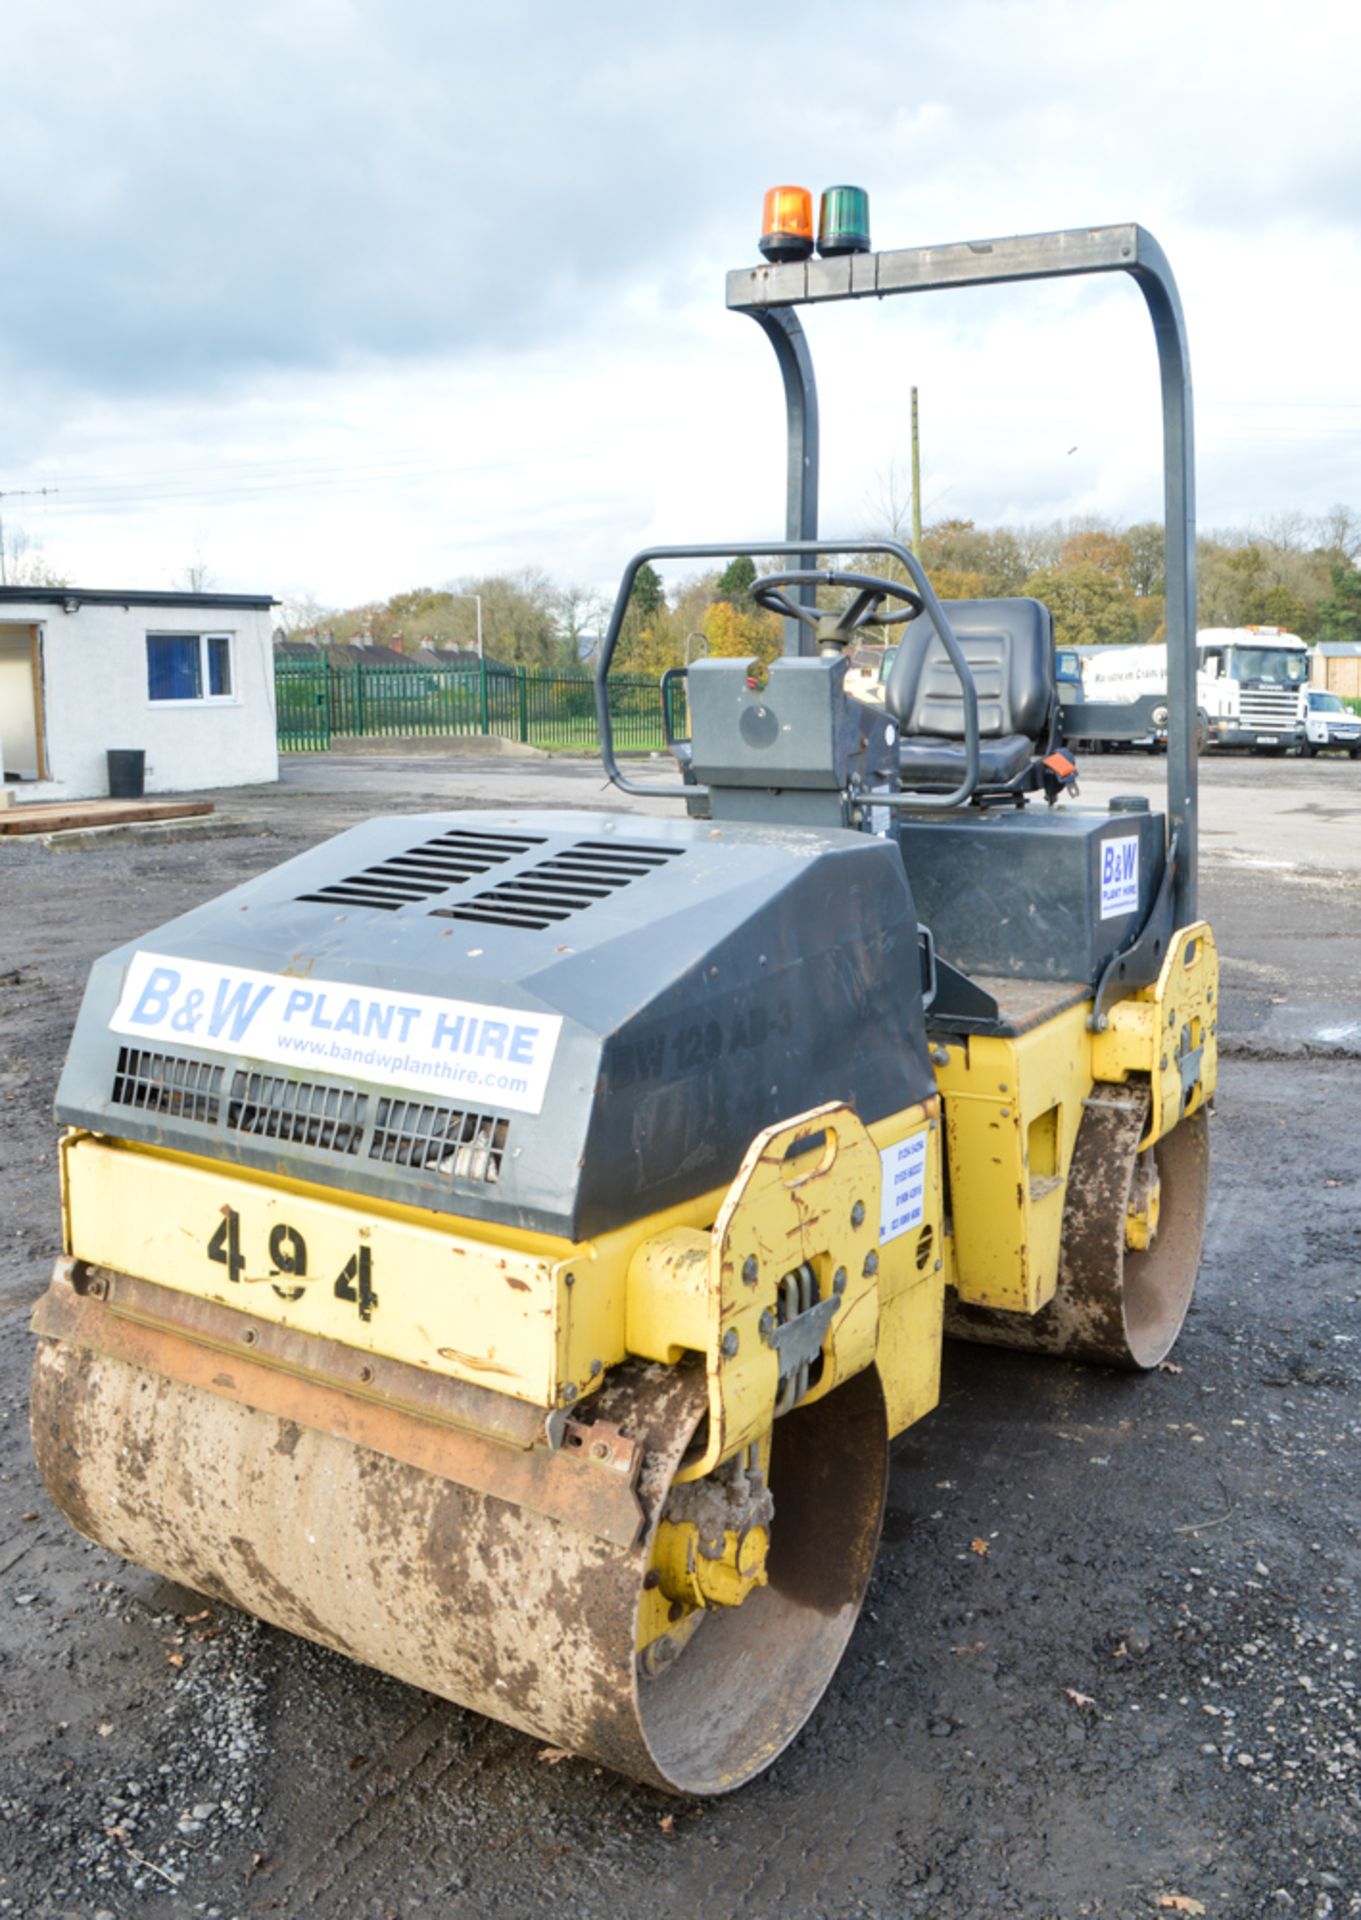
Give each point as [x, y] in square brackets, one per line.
[1142, 1698]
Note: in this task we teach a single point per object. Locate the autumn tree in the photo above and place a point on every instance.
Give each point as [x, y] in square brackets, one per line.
[1090, 608]
[1096, 547]
[960, 561]
[1227, 577]
[519, 617]
[1104, 582]
[1147, 567]
[1242, 586]
[958, 547]
[647, 638]
[735, 630]
[1042, 546]
[950, 583]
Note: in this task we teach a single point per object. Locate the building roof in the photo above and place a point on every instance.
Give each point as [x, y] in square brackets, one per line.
[374, 653]
[69, 598]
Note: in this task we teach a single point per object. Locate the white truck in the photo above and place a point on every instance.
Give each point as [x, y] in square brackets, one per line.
[1250, 683]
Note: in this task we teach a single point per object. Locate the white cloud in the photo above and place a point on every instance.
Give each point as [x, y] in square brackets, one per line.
[350, 297]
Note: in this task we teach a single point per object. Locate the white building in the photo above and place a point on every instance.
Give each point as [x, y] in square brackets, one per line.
[187, 678]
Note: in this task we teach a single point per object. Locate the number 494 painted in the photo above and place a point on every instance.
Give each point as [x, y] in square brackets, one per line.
[288, 1256]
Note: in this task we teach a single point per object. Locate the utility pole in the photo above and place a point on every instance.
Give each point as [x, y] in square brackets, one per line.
[15, 493]
[916, 481]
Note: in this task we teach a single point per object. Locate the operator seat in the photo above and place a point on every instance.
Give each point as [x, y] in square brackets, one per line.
[1009, 645]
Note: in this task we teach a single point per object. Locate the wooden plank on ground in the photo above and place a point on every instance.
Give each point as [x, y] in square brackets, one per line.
[57, 816]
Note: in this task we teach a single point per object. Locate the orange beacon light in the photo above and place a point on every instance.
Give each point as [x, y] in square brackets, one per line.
[787, 224]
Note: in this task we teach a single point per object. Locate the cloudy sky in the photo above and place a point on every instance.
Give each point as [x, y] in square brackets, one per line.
[336, 297]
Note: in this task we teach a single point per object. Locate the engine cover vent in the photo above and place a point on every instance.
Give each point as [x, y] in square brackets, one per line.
[468, 1146]
[308, 1113]
[167, 1083]
[566, 883]
[424, 872]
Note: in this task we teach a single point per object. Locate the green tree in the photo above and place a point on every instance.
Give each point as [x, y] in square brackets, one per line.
[647, 639]
[737, 578]
[1277, 606]
[648, 596]
[1339, 616]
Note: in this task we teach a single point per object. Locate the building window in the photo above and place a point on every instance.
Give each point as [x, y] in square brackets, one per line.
[189, 666]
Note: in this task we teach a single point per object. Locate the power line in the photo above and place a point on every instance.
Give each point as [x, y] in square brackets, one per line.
[281, 471]
[315, 476]
[270, 464]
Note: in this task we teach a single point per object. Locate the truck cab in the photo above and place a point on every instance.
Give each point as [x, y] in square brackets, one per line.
[1251, 686]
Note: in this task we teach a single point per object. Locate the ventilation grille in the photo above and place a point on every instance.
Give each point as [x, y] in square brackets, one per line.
[469, 1146]
[406, 1133]
[566, 883]
[161, 1083]
[409, 879]
[306, 1113]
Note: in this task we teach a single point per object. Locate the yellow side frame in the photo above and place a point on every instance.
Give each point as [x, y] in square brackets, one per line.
[1013, 1105]
[1012, 1110]
[538, 1318]
[718, 1293]
[1168, 1031]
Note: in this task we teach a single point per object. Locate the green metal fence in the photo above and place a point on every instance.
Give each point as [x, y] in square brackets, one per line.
[317, 700]
[302, 707]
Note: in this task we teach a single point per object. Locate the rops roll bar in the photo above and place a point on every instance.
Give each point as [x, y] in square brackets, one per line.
[770, 293]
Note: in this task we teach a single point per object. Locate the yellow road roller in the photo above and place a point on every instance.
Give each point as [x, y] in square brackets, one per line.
[501, 1245]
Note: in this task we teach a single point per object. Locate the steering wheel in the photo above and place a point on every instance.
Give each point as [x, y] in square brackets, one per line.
[870, 590]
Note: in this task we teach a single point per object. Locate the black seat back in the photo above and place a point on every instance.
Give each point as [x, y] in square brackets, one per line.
[1009, 645]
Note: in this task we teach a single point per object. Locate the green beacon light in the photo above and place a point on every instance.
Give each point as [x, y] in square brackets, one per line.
[844, 221]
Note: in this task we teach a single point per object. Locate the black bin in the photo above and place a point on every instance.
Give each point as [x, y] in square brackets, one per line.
[127, 772]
